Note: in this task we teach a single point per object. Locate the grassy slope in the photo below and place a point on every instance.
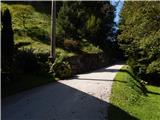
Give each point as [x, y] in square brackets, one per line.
[127, 95]
[40, 21]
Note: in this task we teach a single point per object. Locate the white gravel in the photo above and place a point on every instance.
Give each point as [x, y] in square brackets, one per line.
[84, 97]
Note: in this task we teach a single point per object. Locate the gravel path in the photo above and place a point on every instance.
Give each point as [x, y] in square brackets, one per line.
[84, 97]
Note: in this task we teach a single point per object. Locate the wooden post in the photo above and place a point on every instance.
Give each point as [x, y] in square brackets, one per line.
[53, 31]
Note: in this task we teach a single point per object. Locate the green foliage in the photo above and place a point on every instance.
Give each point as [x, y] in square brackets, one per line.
[37, 26]
[154, 67]
[23, 14]
[87, 47]
[28, 62]
[69, 20]
[61, 68]
[36, 34]
[93, 24]
[31, 34]
[140, 36]
[89, 20]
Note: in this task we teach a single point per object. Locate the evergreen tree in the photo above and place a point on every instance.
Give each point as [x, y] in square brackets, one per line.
[139, 37]
[7, 43]
[90, 20]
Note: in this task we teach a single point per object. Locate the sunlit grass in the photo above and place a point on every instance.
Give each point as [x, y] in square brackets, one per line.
[38, 24]
[128, 96]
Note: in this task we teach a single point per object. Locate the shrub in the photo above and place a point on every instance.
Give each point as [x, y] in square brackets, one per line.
[61, 69]
[43, 62]
[26, 61]
[22, 14]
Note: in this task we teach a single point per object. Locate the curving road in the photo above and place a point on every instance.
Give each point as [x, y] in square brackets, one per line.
[84, 97]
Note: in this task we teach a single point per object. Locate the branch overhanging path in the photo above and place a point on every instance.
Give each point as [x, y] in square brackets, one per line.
[84, 97]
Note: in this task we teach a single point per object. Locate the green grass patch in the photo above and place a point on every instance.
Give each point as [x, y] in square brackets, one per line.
[129, 95]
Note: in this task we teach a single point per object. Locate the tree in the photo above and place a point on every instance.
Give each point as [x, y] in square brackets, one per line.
[90, 20]
[139, 37]
[7, 43]
[69, 20]
[23, 14]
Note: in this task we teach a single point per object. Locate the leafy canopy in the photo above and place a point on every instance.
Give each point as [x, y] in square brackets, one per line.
[139, 36]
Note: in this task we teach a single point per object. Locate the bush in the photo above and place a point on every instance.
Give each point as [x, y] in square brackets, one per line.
[26, 61]
[43, 62]
[61, 69]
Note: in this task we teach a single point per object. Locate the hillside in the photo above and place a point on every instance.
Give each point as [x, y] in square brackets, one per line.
[32, 29]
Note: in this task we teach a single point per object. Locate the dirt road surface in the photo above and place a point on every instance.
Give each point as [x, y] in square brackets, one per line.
[84, 97]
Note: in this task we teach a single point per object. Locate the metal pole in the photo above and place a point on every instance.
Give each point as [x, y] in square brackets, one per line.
[53, 31]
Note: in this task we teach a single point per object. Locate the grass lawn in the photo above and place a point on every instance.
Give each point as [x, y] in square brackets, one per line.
[128, 95]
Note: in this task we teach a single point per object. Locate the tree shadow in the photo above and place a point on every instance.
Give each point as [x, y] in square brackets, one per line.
[77, 78]
[155, 93]
[59, 102]
[22, 44]
[116, 113]
[141, 86]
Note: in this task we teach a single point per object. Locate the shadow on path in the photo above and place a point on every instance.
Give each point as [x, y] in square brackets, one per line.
[77, 78]
[57, 102]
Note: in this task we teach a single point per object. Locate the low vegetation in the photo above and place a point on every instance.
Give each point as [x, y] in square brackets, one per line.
[139, 100]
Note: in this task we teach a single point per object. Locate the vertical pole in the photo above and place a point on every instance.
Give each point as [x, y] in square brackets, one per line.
[53, 31]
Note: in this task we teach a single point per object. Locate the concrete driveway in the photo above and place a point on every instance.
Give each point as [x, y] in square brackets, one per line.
[84, 97]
